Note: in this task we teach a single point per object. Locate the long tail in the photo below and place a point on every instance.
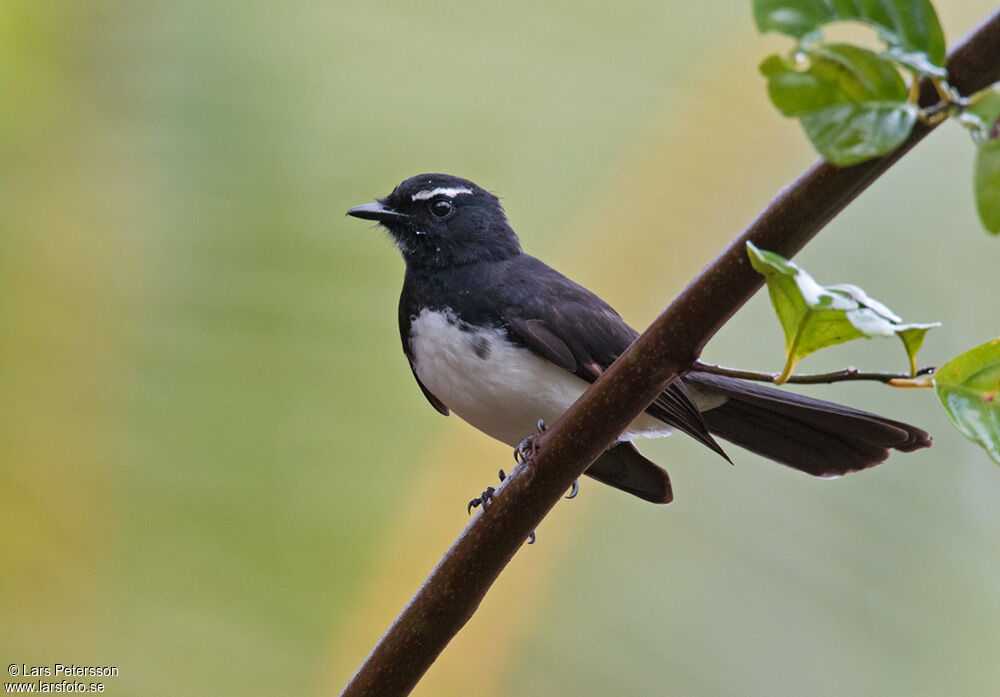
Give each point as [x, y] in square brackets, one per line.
[810, 435]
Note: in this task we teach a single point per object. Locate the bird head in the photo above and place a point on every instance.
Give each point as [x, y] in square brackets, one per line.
[440, 220]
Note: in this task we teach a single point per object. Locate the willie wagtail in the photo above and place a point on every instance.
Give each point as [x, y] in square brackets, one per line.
[504, 340]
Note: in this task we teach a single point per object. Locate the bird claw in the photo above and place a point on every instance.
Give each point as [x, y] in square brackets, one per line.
[574, 490]
[486, 498]
[483, 500]
[528, 447]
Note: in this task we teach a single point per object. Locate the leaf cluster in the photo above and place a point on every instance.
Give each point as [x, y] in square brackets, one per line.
[815, 317]
[855, 104]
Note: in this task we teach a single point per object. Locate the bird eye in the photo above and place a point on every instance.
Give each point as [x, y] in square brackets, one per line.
[442, 208]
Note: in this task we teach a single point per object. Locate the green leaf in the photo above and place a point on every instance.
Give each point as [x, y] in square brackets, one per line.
[910, 24]
[913, 338]
[814, 317]
[873, 318]
[917, 61]
[794, 18]
[851, 103]
[861, 74]
[968, 387]
[984, 108]
[797, 92]
[847, 135]
[775, 64]
[909, 27]
[987, 184]
[982, 115]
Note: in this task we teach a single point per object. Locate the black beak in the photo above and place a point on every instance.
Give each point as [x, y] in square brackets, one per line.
[376, 211]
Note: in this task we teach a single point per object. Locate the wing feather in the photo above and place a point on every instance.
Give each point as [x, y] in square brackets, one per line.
[579, 332]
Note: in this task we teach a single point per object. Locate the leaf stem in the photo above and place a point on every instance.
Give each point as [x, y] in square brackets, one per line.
[790, 351]
[846, 375]
[951, 103]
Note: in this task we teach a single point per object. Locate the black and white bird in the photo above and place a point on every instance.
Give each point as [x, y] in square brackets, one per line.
[503, 340]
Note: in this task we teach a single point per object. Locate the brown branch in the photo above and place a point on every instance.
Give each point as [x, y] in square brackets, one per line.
[453, 591]
[845, 375]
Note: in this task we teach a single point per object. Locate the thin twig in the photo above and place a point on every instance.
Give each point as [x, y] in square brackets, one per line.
[948, 106]
[846, 375]
[453, 591]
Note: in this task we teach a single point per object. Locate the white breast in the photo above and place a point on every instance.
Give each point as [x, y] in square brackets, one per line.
[499, 388]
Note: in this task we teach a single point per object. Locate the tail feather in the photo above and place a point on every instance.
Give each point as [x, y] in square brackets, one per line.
[810, 435]
[624, 468]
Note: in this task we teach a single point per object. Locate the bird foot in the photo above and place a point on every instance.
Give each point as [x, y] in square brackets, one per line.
[486, 498]
[528, 446]
[483, 500]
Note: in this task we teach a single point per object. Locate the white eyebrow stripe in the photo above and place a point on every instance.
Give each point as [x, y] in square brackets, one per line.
[440, 191]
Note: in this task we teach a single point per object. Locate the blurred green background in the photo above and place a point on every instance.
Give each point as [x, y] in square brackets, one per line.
[216, 471]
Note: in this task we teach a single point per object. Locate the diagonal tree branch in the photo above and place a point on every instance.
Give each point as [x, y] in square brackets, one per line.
[453, 591]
